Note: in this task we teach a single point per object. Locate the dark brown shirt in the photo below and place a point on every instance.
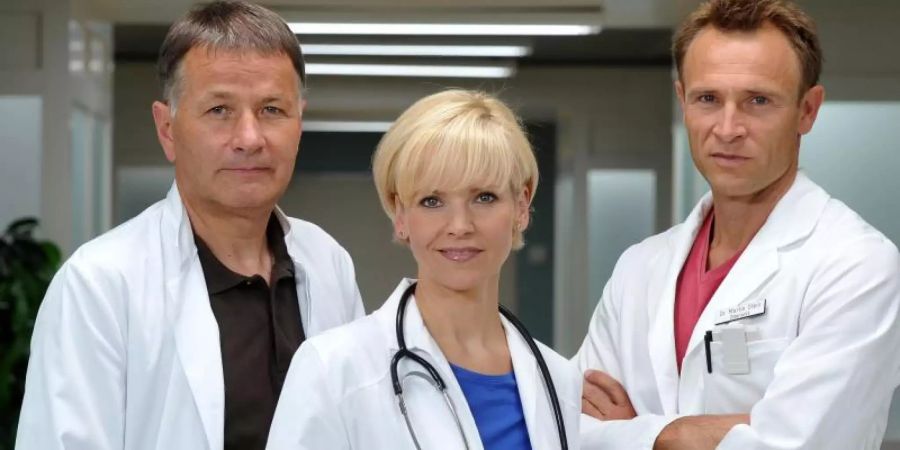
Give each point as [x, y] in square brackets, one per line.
[259, 331]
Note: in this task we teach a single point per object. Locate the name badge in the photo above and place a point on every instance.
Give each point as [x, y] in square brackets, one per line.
[742, 311]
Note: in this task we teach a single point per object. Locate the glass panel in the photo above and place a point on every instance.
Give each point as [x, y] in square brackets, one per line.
[139, 187]
[852, 153]
[622, 212]
[20, 151]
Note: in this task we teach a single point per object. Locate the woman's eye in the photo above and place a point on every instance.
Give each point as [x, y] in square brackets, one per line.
[430, 202]
[486, 197]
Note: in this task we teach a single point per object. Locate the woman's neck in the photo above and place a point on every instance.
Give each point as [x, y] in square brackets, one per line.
[466, 325]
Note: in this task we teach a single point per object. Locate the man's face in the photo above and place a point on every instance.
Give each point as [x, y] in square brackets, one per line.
[743, 111]
[235, 134]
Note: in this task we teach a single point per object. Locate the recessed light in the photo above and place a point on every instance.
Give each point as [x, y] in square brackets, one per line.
[443, 29]
[486, 51]
[411, 70]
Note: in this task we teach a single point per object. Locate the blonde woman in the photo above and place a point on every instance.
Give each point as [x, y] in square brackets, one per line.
[440, 365]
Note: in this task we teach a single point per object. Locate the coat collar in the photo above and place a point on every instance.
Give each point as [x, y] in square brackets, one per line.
[793, 218]
[179, 224]
[536, 407]
[196, 330]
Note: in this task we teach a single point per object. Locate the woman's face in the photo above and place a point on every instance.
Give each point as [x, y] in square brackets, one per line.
[460, 238]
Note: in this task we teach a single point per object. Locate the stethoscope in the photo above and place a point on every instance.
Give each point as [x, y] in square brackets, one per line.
[435, 379]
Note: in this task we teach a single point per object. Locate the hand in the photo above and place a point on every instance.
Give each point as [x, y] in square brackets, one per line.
[604, 398]
[697, 432]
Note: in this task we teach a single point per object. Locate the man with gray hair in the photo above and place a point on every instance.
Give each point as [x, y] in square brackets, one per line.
[176, 329]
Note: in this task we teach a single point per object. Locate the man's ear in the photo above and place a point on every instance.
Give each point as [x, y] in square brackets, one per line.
[679, 92]
[809, 108]
[162, 117]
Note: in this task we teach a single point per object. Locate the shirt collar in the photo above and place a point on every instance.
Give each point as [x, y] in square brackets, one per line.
[220, 278]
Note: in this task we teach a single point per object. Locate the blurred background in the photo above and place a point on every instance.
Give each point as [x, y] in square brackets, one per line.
[592, 79]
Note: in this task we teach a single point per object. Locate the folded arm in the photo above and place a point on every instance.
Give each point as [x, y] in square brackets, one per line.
[605, 399]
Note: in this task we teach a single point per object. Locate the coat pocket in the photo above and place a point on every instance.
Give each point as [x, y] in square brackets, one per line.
[725, 393]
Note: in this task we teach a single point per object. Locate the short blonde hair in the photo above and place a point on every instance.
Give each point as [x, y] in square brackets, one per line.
[453, 138]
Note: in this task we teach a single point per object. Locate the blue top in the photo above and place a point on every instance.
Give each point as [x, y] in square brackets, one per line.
[495, 404]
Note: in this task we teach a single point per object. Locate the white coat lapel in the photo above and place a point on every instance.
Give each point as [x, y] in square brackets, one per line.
[757, 265]
[662, 278]
[432, 421]
[536, 407]
[793, 218]
[195, 326]
[311, 327]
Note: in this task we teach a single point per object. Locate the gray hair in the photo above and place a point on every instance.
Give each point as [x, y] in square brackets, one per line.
[225, 25]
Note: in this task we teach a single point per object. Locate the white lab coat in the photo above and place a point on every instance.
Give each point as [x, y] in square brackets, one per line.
[126, 352]
[338, 393]
[826, 357]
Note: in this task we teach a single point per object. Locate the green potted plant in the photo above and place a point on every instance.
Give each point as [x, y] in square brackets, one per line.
[26, 267]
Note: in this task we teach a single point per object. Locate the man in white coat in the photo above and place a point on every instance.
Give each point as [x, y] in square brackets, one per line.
[768, 319]
[175, 330]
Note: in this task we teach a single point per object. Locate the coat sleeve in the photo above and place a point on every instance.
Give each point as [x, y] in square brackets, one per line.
[842, 367]
[75, 384]
[307, 416]
[601, 351]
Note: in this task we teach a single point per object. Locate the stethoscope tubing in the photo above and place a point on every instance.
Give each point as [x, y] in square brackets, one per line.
[438, 382]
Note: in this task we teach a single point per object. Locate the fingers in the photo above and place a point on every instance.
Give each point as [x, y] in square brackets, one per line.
[597, 398]
[605, 398]
[612, 388]
[591, 410]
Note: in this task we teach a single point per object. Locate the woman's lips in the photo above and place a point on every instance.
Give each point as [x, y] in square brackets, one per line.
[460, 254]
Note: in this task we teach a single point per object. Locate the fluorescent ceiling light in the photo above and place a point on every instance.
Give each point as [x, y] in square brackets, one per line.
[443, 29]
[501, 51]
[346, 126]
[410, 70]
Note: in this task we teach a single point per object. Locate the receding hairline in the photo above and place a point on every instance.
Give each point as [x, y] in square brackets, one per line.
[797, 65]
[177, 83]
[795, 25]
[226, 25]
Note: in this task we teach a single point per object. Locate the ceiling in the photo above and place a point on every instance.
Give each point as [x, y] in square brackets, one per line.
[634, 32]
[616, 13]
[643, 47]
